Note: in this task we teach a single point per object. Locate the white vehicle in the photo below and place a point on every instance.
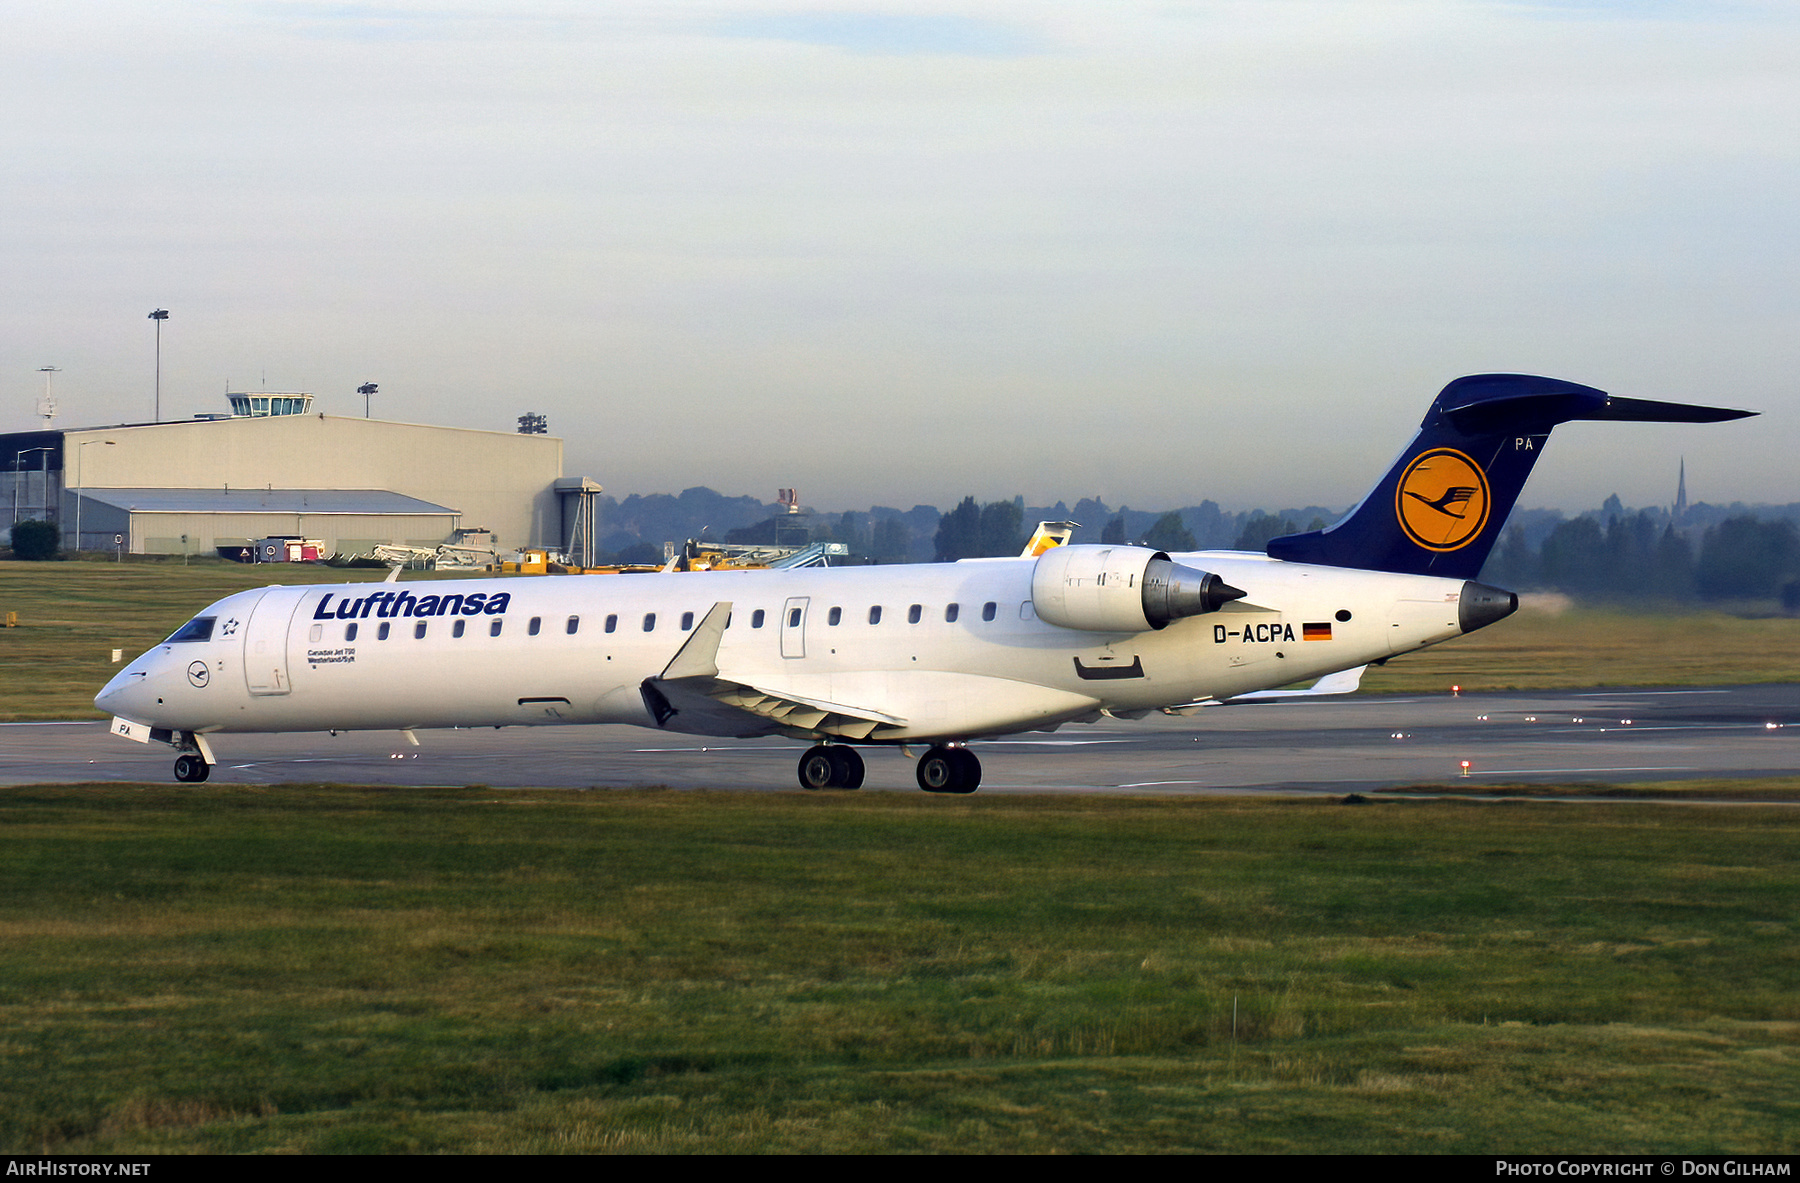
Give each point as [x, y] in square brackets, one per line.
[934, 655]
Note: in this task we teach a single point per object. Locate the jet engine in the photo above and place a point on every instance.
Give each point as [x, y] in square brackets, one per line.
[1121, 589]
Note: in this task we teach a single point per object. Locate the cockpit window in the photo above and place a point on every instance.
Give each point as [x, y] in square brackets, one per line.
[198, 629]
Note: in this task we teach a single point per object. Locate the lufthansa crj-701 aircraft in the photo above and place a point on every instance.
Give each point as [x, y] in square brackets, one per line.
[934, 655]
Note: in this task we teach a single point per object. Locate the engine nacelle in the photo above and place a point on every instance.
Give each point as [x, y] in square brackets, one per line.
[1121, 589]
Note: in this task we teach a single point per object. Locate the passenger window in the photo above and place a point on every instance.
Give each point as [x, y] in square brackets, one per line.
[875, 614]
[350, 631]
[574, 624]
[537, 622]
[835, 615]
[950, 613]
[419, 631]
[649, 621]
[687, 621]
[381, 634]
[316, 632]
[612, 621]
[914, 613]
[988, 609]
[494, 628]
[456, 630]
[794, 618]
[756, 618]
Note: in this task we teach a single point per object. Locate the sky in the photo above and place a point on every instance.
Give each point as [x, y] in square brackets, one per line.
[899, 253]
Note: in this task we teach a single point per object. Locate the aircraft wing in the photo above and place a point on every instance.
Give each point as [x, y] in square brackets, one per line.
[1342, 682]
[690, 686]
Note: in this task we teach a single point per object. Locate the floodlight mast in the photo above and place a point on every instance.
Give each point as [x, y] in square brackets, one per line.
[366, 389]
[81, 489]
[158, 315]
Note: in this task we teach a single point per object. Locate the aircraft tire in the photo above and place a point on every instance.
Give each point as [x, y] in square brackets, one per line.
[849, 765]
[968, 771]
[191, 769]
[948, 770]
[818, 768]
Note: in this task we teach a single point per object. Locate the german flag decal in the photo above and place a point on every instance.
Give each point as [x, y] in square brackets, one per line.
[1442, 500]
[1315, 632]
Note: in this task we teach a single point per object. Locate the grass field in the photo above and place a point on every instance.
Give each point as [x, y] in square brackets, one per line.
[1549, 646]
[317, 968]
[72, 615]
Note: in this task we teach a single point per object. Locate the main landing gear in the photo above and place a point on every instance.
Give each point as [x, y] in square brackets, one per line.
[942, 769]
[831, 766]
[949, 770]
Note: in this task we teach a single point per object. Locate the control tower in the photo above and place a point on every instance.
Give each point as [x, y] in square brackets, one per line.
[260, 404]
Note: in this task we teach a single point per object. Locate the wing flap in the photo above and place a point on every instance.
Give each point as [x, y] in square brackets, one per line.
[690, 685]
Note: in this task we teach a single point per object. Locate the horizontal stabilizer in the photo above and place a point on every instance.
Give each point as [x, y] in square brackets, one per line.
[1644, 410]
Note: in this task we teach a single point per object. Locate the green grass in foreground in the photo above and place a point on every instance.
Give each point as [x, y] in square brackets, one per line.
[317, 968]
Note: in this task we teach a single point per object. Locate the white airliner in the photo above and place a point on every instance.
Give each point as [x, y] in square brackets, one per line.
[932, 655]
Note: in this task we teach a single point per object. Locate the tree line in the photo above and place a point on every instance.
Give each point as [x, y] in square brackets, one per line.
[1713, 553]
[1645, 556]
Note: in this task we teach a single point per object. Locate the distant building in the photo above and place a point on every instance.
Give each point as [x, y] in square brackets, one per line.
[275, 468]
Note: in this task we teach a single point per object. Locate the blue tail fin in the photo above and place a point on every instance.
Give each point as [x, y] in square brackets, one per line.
[1439, 510]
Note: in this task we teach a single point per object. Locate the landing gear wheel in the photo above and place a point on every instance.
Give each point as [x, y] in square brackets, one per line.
[191, 769]
[817, 769]
[968, 771]
[831, 766]
[849, 765]
[949, 770]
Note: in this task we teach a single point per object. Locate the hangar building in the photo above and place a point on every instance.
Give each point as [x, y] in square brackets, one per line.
[276, 468]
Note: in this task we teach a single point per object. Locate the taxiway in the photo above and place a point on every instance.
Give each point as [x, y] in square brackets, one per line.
[1338, 745]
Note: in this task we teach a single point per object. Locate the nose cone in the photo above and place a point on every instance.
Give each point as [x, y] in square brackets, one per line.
[127, 694]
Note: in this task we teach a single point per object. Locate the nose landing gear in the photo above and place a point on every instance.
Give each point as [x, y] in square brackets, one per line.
[194, 759]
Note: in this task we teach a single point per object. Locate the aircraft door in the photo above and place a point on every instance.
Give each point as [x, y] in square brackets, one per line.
[793, 626]
[266, 640]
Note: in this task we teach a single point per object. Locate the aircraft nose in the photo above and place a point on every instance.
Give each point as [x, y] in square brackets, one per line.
[125, 694]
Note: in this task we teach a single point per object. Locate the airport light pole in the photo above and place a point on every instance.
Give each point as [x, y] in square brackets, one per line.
[159, 315]
[366, 389]
[80, 489]
[49, 408]
[18, 466]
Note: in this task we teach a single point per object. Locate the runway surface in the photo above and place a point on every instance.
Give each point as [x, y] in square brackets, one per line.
[1325, 745]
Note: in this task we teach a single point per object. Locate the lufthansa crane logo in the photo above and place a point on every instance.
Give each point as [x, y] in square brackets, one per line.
[1442, 501]
[198, 674]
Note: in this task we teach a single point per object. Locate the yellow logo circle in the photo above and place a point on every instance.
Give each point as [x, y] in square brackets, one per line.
[1442, 501]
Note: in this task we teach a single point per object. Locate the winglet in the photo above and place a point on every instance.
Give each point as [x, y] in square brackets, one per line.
[1047, 535]
[699, 657]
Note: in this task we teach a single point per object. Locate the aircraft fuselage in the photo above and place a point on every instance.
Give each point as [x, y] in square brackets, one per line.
[947, 652]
